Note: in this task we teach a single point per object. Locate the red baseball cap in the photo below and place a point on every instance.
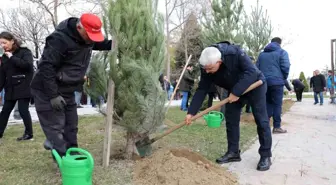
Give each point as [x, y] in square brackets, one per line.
[92, 25]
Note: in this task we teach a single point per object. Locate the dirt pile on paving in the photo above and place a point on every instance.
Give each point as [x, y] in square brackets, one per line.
[180, 167]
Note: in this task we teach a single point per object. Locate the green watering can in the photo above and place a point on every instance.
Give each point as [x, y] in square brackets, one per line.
[75, 169]
[214, 119]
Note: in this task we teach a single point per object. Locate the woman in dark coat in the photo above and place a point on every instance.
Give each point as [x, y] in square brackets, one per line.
[16, 72]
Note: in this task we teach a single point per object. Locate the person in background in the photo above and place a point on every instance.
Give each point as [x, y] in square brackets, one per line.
[161, 80]
[16, 73]
[78, 95]
[330, 85]
[275, 65]
[170, 91]
[177, 94]
[166, 83]
[186, 85]
[298, 89]
[318, 83]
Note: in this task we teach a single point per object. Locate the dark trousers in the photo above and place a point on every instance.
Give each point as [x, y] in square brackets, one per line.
[274, 98]
[257, 100]
[222, 96]
[298, 93]
[23, 106]
[188, 99]
[248, 108]
[211, 96]
[318, 94]
[59, 127]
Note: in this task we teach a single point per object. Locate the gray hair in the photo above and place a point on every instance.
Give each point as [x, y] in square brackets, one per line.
[210, 55]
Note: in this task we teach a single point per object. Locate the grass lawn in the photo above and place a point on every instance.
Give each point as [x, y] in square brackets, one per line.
[27, 163]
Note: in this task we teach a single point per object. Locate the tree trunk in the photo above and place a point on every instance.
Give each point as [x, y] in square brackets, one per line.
[130, 145]
[108, 124]
[55, 21]
[186, 49]
[167, 42]
[36, 45]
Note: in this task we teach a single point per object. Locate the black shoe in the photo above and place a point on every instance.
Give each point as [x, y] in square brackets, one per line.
[25, 138]
[47, 145]
[315, 103]
[279, 131]
[264, 164]
[229, 157]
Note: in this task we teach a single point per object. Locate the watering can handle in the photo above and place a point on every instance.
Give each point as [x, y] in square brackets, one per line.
[82, 152]
[217, 112]
[222, 115]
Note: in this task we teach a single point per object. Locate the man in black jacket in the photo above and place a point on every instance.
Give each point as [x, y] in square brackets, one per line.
[229, 67]
[60, 73]
[298, 88]
[318, 83]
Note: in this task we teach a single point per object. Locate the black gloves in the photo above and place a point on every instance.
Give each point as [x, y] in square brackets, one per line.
[58, 103]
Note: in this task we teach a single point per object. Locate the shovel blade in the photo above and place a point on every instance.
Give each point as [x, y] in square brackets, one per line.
[144, 147]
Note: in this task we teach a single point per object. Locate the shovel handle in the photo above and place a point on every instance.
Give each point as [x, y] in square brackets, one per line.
[214, 107]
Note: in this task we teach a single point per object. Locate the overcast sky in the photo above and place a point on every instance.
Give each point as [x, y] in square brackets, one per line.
[308, 24]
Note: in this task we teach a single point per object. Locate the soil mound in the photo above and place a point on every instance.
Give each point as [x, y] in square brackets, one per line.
[180, 167]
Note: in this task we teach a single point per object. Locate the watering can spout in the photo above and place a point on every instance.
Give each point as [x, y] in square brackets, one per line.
[57, 157]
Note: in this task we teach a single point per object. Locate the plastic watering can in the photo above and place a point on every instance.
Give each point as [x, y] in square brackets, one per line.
[75, 169]
[214, 119]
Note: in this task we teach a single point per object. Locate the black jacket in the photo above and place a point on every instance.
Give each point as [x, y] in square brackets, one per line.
[187, 82]
[318, 83]
[16, 74]
[235, 74]
[65, 60]
[298, 85]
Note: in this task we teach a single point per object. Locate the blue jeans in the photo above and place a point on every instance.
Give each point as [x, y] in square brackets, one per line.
[321, 97]
[3, 96]
[184, 100]
[274, 98]
[78, 97]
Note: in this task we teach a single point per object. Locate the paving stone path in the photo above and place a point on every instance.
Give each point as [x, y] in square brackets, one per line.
[306, 155]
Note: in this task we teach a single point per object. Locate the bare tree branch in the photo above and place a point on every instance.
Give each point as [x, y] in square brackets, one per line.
[27, 25]
[51, 7]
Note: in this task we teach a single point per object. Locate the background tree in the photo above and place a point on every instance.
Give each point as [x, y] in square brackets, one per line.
[304, 80]
[98, 76]
[325, 71]
[224, 22]
[51, 8]
[190, 43]
[257, 30]
[140, 49]
[27, 24]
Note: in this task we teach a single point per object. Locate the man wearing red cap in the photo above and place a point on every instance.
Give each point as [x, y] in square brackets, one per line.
[61, 71]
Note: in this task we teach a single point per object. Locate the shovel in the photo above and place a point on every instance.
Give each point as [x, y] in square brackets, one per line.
[144, 145]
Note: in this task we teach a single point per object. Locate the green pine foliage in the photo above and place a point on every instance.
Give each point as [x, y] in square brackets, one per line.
[304, 80]
[224, 23]
[97, 82]
[136, 64]
[190, 43]
[257, 30]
